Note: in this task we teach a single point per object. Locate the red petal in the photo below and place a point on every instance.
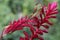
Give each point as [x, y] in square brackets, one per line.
[40, 32]
[21, 38]
[52, 13]
[51, 17]
[26, 34]
[48, 22]
[40, 38]
[45, 31]
[46, 26]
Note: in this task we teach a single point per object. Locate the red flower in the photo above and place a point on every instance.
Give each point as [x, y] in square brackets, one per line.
[35, 23]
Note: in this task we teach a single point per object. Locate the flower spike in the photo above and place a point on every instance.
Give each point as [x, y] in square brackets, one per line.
[34, 23]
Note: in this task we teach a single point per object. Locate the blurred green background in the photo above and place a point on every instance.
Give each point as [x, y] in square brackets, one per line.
[13, 9]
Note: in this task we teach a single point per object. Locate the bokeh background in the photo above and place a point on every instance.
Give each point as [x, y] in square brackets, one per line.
[13, 9]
